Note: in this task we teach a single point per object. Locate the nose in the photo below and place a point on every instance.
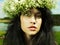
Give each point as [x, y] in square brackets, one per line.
[33, 20]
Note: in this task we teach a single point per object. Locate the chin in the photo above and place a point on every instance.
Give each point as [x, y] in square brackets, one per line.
[32, 33]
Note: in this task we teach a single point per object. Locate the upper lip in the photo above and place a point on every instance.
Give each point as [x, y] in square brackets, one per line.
[32, 27]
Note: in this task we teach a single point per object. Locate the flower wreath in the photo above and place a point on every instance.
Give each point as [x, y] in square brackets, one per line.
[13, 7]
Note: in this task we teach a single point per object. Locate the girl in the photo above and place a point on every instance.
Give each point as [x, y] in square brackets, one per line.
[31, 22]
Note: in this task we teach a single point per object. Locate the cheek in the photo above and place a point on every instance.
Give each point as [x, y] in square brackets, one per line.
[39, 23]
[21, 21]
[24, 22]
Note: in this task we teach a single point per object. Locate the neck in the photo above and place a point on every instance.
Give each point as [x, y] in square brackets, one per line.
[28, 39]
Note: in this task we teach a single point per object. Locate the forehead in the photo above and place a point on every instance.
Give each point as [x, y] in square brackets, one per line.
[34, 10]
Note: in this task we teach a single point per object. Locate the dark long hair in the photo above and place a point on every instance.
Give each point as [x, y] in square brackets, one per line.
[15, 35]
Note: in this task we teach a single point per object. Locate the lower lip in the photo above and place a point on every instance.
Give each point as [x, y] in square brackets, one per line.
[32, 29]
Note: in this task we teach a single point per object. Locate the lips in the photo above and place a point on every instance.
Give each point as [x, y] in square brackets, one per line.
[32, 28]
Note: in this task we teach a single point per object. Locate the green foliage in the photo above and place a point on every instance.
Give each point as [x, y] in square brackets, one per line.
[2, 32]
[57, 37]
[13, 7]
[56, 18]
[1, 40]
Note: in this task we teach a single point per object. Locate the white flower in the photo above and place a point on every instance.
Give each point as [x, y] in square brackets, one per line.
[22, 1]
[16, 1]
[13, 7]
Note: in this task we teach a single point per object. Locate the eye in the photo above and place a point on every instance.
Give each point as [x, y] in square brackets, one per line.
[38, 15]
[28, 14]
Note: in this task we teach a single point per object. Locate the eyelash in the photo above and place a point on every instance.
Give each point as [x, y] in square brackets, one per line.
[36, 15]
[28, 14]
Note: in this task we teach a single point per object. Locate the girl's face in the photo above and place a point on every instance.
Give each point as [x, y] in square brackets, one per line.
[31, 22]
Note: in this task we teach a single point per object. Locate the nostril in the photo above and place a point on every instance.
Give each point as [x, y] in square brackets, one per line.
[33, 22]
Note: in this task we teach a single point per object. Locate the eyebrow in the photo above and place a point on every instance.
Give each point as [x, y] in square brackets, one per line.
[38, 12]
